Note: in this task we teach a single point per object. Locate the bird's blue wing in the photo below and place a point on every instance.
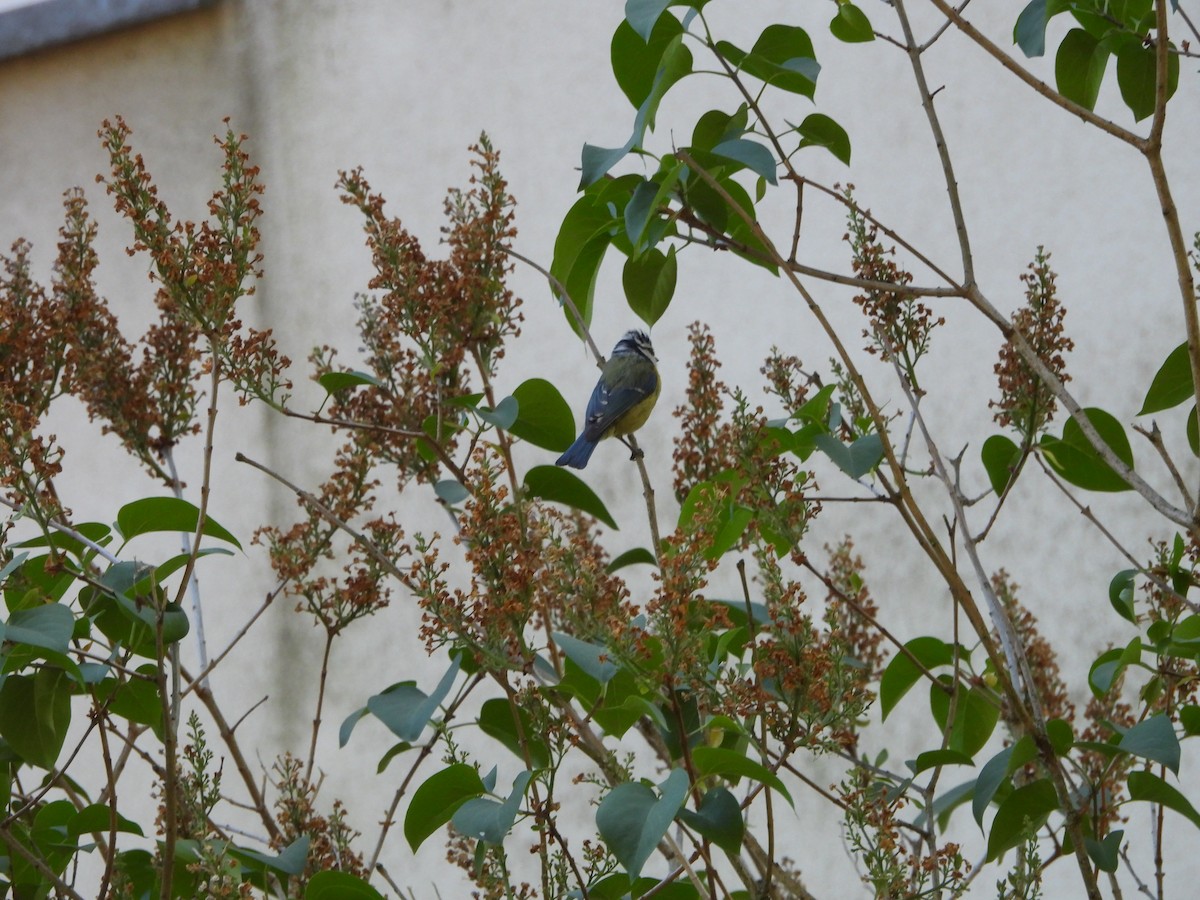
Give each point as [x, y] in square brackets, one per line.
[608, 404]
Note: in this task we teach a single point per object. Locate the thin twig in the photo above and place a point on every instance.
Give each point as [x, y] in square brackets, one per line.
[330, 516]
[939, 139]
[389, 818]
[1154, 436]
[202, 676]
[1086, 511]
[197, 622]
[46, 872]
[316, 722]
[1043, 89]
[63, 528]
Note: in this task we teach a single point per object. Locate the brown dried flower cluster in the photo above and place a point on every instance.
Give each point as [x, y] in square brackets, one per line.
[695, 456]
[848, 606]
[430, 318]
[503, 546]
[362, 588]
[817, 688]
[1026, 402]
[680, 618]
[741, 452]
[575, 588]
[900, 325]
[523, 572]
[1104, 773]
[67, 340]
[895, 864]
[202, 271]
[1051, 690]
[330, 836]
[787, 380]
[432, 321]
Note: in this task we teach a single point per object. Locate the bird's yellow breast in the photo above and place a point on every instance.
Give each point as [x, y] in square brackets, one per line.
[637, 415]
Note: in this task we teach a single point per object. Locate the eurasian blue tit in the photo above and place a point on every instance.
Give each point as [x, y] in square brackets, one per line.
[624, 396]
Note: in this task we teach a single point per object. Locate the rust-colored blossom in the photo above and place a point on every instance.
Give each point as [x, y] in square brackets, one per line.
[1026, 402]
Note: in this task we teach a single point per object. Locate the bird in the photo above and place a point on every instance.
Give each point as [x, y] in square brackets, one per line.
[622, 400]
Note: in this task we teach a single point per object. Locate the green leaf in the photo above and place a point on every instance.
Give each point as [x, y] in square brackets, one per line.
[851, 25]
[591, 658]
[726, 520]
[434, 803]
[632, 819]
[1189, 718]
[340, 381]
[995, 773]
[1000, 457]
[856, 459]
[818, 130]
[975, 715]
[97, 818]
[486, 820]
[1193, 432]
[719, 818]
[1120, 594]
[392, 752]
[1107, 667]
[1106, 853]
[643, 15]
[152, 514]
[12, 565]
[1148, 786]
[716, 127]
[782, 57]
[496, 721]
[637, 58]
[1022, 813]
[1154, 739]
[1136, 75]
[674, 64]
[136, 700]
[1030, 31]
[48, 626]
[1079, 67]
[331, 885]
[902, 672]
[732, 764]
[289, 861]
[403, 707]
[125, 609]
[165, 570]
[583, 239]
[96, 532]
[945, 804]
[35, 712]
[502, 416]
[636, 556]
[450, 491]
[544, 418]
[932, 759]
[751, 154]
[594, 161]
[1172, 384]
[1061, 736]
[1075, 460]
[649, 282]
[557, 485]
[641, 206]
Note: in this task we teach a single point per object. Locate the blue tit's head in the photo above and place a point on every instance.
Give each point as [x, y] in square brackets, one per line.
[635, 343]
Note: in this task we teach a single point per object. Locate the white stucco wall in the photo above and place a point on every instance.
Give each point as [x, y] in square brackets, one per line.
[403, 89]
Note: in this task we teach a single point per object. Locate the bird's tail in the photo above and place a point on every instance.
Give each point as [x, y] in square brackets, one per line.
[578, 453]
